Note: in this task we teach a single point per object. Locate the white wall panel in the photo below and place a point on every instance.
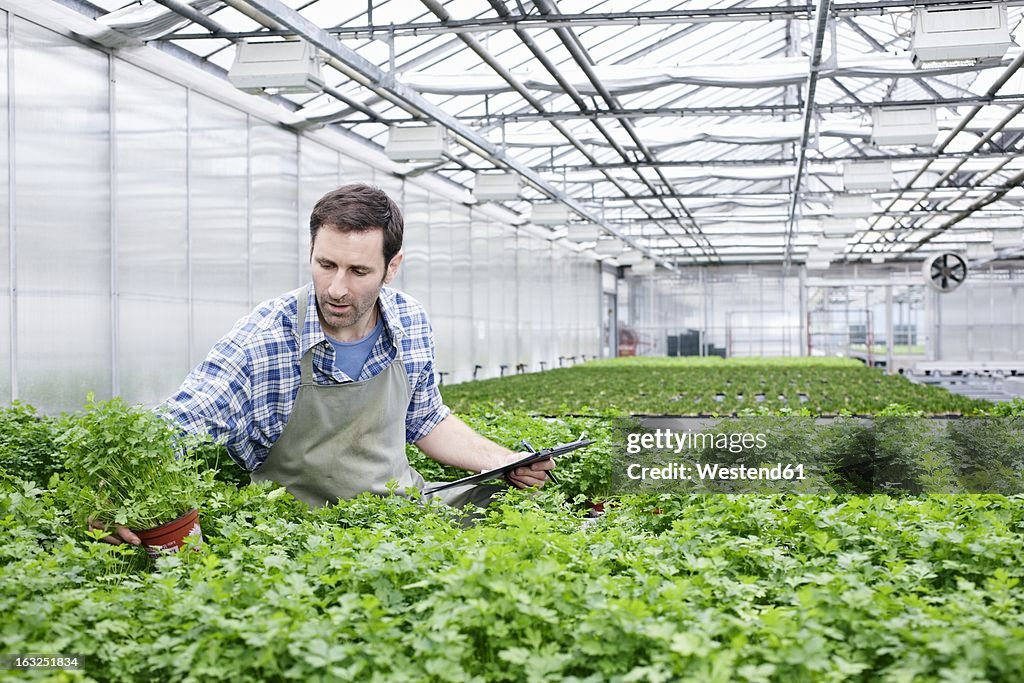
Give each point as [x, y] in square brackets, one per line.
[219, 245]
[495, 285]
[441, 307]
[153, 348]
[355, 172]
[588, 319]
[507, 313]
[526, 303]
[62, 166]
[562, 306]
[415, 205]
[152, 233]
[210, 215]
[151, 182]
[319, 173]
[544, 283]
[462, 294]
[273, 211]
[480, 235]
[5, 253]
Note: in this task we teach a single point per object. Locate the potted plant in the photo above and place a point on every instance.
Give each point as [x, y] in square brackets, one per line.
[129, 466]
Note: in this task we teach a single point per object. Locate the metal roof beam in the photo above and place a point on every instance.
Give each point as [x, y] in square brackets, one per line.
[774, 161]
[939, 152]
[821, 24]
[882, 48]
[582, 59]
[667, 40]
[994, 196]
[376, 79]
[625, 19]
[489, 59]
[567, 87]
[735, 110]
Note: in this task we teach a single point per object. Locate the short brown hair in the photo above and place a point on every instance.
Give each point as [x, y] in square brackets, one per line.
[360, 207]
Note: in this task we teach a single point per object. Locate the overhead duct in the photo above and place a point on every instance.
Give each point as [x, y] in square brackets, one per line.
[852, 206]
[497, 187]
[630, 257]
[284, 66]
[868, 175]
[416, 143]
[1007, 239]
[584, 232]
[832, 244]
[551, 213]
[608, 247]
[839, 226]
[903, 126]
[956, 36]
[980, 251]
[645, 267]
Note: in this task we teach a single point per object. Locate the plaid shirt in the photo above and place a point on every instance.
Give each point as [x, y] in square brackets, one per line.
[243, 393]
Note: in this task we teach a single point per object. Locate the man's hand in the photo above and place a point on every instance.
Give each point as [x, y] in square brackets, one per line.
[535, 474]
[121, 535]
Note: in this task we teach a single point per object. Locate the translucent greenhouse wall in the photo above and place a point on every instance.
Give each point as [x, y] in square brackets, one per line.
[735, 310]
[141, 219]
[984, 319]
[864, 311]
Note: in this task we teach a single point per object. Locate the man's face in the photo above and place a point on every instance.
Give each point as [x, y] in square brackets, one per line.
[348, 272]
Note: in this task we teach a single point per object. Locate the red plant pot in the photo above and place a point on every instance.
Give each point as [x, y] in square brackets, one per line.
[169, 537]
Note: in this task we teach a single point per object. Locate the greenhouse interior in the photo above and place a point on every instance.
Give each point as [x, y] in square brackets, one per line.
[622, 340]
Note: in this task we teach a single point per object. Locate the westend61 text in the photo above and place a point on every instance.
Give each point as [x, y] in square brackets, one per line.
[716, 472]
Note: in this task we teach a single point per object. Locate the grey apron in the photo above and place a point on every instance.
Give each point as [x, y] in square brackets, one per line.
[344, 439]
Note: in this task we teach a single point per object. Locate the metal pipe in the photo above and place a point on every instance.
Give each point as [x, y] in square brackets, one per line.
[812, 86]
[408, 99]
[632, 18]
[542, 57]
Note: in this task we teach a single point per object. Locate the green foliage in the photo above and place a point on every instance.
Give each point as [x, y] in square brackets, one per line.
[214, 457]
[129, 466]
[702, 386]
[670, 588]
[27, 448]
[1014, 408]
[695, 588]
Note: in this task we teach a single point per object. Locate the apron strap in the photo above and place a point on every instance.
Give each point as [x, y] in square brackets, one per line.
[306, 363]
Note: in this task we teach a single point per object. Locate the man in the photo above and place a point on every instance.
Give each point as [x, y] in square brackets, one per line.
[320, 389]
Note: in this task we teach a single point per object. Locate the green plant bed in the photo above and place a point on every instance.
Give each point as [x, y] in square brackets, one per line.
[800, 588]
[701, 588]
[28, 446]
[683, 386]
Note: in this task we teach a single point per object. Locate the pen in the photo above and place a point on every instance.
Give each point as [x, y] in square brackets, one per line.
[530, 449]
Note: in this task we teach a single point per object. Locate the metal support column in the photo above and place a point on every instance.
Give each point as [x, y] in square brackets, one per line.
[888, 331]
[805, 338]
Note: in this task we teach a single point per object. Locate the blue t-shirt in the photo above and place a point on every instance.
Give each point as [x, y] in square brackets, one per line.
[349, 357]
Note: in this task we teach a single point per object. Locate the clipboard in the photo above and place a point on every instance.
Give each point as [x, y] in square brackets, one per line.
[500, 472]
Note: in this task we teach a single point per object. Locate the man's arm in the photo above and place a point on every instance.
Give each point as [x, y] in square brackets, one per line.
[452, 442]
[216, 398]
[213, 399]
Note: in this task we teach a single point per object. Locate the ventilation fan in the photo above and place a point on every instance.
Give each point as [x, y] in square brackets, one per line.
[945, 271]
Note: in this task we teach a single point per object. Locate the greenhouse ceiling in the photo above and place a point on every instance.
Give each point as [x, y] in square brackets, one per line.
[699, 132]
